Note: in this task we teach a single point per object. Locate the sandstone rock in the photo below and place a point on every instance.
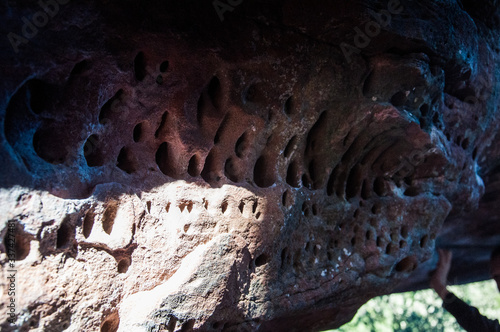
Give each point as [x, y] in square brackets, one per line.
[241, 166]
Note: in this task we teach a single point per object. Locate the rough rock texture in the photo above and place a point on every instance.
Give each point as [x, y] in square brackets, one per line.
[166, 170]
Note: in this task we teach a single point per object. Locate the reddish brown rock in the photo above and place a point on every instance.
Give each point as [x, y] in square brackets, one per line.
[165, 169]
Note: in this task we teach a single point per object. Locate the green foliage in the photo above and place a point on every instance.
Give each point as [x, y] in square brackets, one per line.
[422, 311]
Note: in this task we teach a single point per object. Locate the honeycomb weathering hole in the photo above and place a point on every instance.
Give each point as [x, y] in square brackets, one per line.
[231, 170]
[286, 198]
[123, 265]
[111, 323]
[210, 172]
[224, 206]
[398, 99]
[21, 242]
[423, 241]
[315, 209]
[39, 95]
[404, 231]
[306, 181]
[254, 206]
[137, 132]
[407, 264]
[194, 166]
[214, 91]
[410, 192]
[125, 161]
[288, 106]
[164, 66]
[261, 260]
[230, 153]
[164, 160]
[264, 172]
[252, 94]
[108, 217]
[47, 144]
[188, 325]
[379, 187]
[88, 224]
[64, 234]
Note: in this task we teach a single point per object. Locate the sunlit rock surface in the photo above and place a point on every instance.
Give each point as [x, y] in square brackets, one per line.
[242, 166]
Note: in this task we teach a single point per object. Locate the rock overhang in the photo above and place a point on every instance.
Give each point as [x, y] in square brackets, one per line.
[313, 181]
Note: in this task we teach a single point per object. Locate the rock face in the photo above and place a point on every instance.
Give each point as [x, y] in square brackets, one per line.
[241, 166]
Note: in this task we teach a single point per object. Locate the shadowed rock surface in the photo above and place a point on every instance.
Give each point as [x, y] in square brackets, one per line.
[242, 166]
